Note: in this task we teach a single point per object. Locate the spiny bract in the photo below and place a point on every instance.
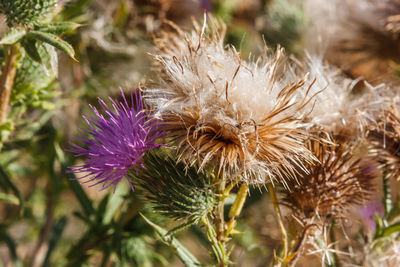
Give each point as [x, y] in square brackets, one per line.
[342, 177]
[26, 12]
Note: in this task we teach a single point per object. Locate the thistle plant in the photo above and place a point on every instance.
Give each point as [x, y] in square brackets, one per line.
[212, 125]
[30, 42]
[26, 12]
[118, 141]
[176, 191]
[385, 139]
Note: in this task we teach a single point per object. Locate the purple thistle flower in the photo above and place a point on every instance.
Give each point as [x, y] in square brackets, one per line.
[115, 142]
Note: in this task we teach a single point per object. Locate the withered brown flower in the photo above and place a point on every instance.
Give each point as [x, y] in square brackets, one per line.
[342, 178]
[385, 139]
[362, 39]
[245, 117]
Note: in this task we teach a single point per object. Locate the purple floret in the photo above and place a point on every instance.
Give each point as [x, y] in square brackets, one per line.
[115, 141]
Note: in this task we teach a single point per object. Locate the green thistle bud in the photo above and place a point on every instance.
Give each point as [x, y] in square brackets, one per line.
[175, 190]
[25, 12]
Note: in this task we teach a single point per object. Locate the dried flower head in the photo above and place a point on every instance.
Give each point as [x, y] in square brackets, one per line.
[342, 106]
[385, 139]
[115, 142]
[357, 36]
[222, 111]
[322, 246]
[390, 9]
[342, 178]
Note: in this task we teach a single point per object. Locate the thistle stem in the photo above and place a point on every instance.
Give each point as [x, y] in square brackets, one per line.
[7, 80]
[212, 238]
[277, 210]
[220, 220]
[387, 198]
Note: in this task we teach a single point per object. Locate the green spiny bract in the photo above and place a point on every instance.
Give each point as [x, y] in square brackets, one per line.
[175, 190]
[26, 12]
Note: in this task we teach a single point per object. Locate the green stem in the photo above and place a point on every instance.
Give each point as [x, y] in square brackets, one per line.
[212, 237]
[7, 80]
[284, 252]
[220, 220]
[387, 198]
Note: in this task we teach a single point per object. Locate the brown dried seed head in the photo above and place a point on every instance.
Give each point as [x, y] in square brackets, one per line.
[245, 117]
[385, 139]
[341, 179]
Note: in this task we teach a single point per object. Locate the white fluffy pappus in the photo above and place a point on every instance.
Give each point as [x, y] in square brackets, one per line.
[341, 105]
[361, 37]
[245, 117]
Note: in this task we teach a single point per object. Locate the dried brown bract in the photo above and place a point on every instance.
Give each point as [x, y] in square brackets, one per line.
[342, 178]
[385, 139]
[245, 117]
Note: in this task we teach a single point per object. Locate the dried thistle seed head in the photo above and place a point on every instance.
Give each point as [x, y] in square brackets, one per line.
[174, 190]
[342, 178]
[339, 104]
[357, 38]
[385, 139]
[25, 12]
[390, 13]
[220, 110]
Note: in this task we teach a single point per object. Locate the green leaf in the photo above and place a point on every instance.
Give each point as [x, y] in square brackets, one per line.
[83, 199]
[114, 203]
[13, 37]
[56, 233]
[32, 51]
[6, 183]
[58, 27]
[4, 237]
[53, 40]
[394, 228]
[183, 254]
[9, 198]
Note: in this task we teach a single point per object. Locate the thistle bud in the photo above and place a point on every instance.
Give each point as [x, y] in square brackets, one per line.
[25, 12]
[175, 190]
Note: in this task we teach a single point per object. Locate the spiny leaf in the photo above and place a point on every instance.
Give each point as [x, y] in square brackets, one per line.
[53, 40]
[32, 51]
[13, 37]
[34, 81]
[58, 27]
[184, 255]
